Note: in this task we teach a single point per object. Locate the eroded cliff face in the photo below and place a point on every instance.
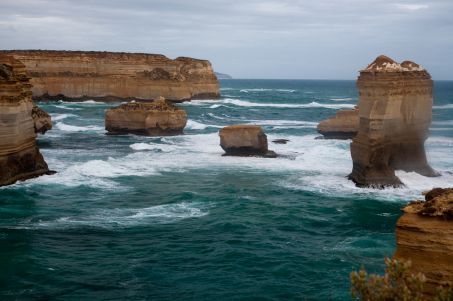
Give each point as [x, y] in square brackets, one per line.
[20, 158]
[424, 235]
[395, 108]
[112, 76]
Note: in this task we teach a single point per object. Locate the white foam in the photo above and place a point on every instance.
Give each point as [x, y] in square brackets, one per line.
[93, 102]
[266, 90]
[447, 106]
[66, 108]
[444, 122]
[153, 146]
[56, 117]
[439, 140]
[342, 99]
[313, 104]
[125, 217]
[199, 102]
[286, 90]
[73, 128]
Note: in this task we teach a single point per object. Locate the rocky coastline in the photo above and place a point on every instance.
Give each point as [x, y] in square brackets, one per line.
[20, 158]
[424, 235]
[112, 76]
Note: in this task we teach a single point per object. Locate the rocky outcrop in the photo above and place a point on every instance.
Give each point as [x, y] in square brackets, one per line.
[41, 120]
[424, 235]
[245, 140]
[344, 125]
[112, 75]
[395, 108]
[20, 158]
[158, 118]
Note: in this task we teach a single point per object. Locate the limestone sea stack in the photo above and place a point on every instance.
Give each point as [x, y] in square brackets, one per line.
[20, 158]
[245, 140]
[158, 118]
[344, 125]
[78, 75]
[424, 235]
[395, 108]
[41, 120]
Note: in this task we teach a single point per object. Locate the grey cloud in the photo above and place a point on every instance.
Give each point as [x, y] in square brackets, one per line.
[258, 39]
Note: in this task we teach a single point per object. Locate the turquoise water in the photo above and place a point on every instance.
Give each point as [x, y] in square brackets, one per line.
[169, 218]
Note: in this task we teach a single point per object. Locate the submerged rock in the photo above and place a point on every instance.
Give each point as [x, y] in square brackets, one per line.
[344, 125]
[395, 108]
[245, 140]
[158, 118]
[424, 235]
[20, 158]
[106, 76]
[280, 141]
[41, 119]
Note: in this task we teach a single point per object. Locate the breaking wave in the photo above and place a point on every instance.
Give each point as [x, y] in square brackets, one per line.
[74, 128]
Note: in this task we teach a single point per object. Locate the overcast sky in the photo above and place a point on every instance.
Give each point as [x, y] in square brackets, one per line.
[307, 39]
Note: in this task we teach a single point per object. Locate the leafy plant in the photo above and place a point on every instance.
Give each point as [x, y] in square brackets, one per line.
[397, 284]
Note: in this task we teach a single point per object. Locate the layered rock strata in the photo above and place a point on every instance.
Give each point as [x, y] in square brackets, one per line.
[111, 76]
[41, 120]
[158, 118]
[344, 125]
[245, 140]
[424, 235]
[20, 158]
[395, 108]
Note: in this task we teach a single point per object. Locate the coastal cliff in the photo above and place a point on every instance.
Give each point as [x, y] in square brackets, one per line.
[424, 235]
[20, 158]
[395, 109]
[114, 75]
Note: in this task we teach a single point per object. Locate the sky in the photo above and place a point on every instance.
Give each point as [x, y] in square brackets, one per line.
[287, 39]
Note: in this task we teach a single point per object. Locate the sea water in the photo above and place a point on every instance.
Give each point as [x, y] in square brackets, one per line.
[168, 218]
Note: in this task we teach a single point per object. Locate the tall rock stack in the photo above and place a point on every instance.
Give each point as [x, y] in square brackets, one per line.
[116, 75]
[395, 108]
[20, 158]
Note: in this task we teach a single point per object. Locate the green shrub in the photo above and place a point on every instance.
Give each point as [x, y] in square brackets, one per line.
[397, 284]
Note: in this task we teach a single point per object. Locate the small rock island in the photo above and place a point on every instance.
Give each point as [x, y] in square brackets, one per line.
[245, 140]
[158, 118]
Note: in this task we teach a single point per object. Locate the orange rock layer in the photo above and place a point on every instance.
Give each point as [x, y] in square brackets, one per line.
[20, 158]
[424, 235]
[395, 108]
[113, 75]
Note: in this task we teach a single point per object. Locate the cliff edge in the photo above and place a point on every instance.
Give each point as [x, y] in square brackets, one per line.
[116, 75]
[424, 235]
[20, 158]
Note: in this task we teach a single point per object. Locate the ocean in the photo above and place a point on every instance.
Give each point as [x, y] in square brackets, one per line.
[169, 218]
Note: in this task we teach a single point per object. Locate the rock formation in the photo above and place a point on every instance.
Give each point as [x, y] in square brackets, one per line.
[20, 158]
[158, 118]
[344, 125]
[395, 108]
[245, 140]
[112, 76]
[424, 235]
[41, 119]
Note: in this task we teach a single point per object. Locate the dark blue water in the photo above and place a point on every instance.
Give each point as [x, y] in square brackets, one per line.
[169, 218]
